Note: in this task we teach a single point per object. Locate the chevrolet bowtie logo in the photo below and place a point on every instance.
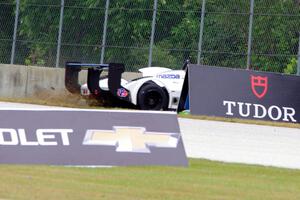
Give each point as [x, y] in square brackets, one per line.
[131, 139]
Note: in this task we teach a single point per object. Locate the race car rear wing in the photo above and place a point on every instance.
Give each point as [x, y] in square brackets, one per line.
[115, 71]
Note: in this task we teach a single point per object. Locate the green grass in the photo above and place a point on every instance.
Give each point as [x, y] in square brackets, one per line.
[242, 121]
[201, 180]
[71, 100]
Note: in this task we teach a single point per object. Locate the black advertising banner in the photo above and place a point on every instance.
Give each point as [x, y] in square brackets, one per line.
[238, 93]
[90, 137]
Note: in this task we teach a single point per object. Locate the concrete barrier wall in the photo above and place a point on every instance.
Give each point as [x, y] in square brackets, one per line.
[17, 81]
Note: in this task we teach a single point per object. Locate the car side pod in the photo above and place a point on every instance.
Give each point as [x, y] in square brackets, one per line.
[184, 100]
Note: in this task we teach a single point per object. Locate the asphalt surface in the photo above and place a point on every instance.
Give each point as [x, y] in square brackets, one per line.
[241, 143]
[229, 142]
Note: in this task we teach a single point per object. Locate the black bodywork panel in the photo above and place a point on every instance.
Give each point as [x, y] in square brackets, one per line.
[116, 93]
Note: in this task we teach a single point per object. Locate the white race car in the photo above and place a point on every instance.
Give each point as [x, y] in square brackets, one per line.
[157, 89]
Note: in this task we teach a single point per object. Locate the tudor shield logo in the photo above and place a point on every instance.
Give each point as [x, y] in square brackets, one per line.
[259, 86]
[131, 139]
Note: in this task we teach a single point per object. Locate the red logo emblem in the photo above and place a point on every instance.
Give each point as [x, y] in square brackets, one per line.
[259, 86]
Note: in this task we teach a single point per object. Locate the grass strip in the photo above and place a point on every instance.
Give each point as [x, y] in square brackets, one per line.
[201, 180]
[76, 101]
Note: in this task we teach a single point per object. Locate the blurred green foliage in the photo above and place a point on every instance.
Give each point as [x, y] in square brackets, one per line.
[275, 32]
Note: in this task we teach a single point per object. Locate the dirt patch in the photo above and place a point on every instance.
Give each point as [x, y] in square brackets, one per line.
[64, 99]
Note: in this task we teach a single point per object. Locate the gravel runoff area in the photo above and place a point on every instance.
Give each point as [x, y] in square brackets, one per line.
[229, 142]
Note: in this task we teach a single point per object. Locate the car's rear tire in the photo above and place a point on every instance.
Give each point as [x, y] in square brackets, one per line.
[152, 97]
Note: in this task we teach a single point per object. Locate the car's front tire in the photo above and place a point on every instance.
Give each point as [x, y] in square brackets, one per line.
[152, 97]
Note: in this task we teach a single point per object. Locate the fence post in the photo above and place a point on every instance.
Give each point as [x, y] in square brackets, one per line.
[201, 32]
[13, 48]
[298, 62]
[152, 33]
[62, 6]
[104, 32]
[250, 34]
